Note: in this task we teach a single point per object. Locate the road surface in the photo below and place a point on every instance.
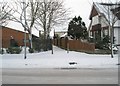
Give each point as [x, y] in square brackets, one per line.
[60, 76]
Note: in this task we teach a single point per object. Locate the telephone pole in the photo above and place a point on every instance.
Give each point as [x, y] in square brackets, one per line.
[24, 3]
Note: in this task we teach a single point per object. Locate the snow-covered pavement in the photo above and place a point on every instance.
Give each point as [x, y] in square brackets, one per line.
[60, 59]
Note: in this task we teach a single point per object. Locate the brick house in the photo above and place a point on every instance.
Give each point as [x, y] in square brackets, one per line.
[9, 34]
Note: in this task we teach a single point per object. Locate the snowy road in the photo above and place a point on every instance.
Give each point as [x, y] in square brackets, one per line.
[60, 76]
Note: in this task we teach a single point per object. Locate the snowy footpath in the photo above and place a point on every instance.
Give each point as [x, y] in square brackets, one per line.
[60, 59]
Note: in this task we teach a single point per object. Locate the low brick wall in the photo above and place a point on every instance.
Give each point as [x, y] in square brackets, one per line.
[76, 45]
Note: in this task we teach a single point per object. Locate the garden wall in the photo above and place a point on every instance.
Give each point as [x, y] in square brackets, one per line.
[75, 45]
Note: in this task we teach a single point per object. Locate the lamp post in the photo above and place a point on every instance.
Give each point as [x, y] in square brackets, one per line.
[52, 45]
[67, 44]
[25, 45]
[25, 56]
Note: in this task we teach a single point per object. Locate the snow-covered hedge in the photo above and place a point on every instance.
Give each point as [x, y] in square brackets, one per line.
[1, 51]
[14, 50]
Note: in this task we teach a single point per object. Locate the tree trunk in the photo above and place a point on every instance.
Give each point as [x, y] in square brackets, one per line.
[45, 41]
[30, 38]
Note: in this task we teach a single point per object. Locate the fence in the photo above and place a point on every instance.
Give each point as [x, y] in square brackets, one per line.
[76, 45]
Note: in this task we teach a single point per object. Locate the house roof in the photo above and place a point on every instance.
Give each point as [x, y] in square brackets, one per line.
[93, 11]
[104, 10]
[19, 27]
[116, 11]
[3, 27]
[64, 35]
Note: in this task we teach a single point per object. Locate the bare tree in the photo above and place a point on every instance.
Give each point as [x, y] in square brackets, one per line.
[111, 18]
[25, 14]
[4, 13]
[51, 13]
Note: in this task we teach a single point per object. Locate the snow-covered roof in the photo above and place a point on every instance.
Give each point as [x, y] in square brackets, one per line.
[117, 23]
[15, 25]
[64, 35]
[19, 27]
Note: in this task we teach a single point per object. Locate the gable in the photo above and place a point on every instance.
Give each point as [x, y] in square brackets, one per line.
[93, 12]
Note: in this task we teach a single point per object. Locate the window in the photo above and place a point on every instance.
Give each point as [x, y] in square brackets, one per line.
[105, 32]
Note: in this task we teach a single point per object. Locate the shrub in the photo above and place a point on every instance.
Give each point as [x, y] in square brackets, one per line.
[91, 40]
[1, 51]
[37, 45]
[103, 44]
[31, 50]
[14, 50]
[40, 44]
[99, 45]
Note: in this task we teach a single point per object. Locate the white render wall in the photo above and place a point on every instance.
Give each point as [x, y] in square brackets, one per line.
[116, 31]
[0, 57]
[119, 43]
[89, 30]
[95, 20]
[99, 20]
[103, 22]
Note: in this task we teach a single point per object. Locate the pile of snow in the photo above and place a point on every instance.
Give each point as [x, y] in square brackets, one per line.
[60, 59]
[64, 35]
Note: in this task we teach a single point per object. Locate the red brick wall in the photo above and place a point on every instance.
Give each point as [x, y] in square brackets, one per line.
[17, 35]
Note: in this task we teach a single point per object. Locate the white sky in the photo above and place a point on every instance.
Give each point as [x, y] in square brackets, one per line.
[80, 8]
